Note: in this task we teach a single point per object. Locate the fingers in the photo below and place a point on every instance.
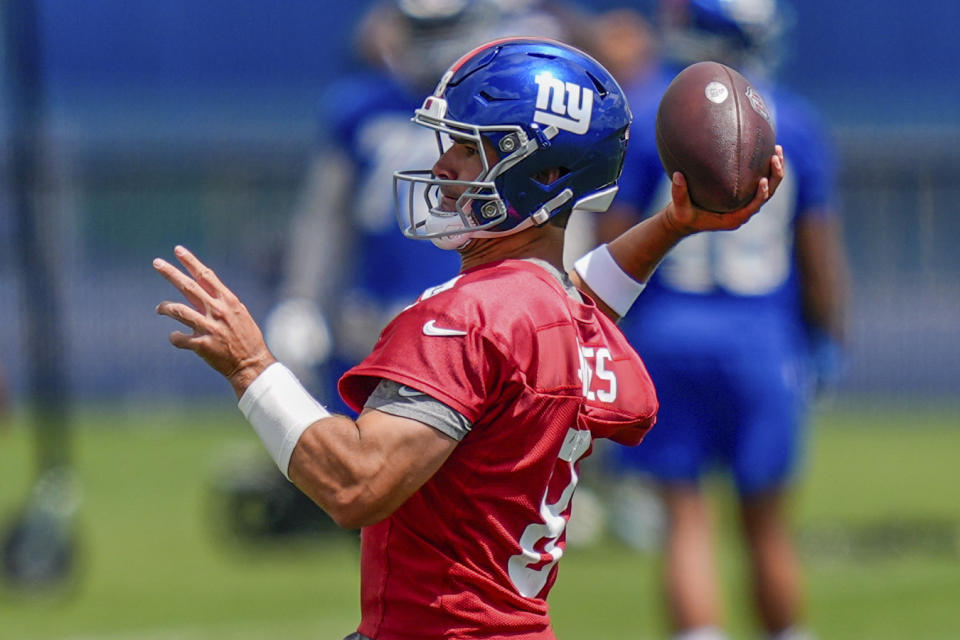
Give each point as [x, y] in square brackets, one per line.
[193, 292]
[200, 272]
[223, 334]
[678, 189]
[768, 185]
[199, 343]
[185, 315]
[763, 193]
[200, 340]
[777, 168]
[735, 219]
[183, 341]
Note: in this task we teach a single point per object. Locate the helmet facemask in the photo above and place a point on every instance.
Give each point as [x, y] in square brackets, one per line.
[480, 207]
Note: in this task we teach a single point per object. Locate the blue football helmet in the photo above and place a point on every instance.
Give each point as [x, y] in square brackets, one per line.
[542, 105]
[744, 34]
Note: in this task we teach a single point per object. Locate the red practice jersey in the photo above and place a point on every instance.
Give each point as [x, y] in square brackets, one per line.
[473, 553]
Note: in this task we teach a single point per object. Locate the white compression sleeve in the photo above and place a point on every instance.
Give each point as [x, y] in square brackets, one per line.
[280, 410]
[608, 280]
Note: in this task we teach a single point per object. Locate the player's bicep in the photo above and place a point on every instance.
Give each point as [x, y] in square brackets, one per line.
[409, 453]
[361, 471]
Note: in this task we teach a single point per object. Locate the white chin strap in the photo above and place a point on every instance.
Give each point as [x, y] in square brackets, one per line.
[452, 243]
[436, 222]
[461, 240]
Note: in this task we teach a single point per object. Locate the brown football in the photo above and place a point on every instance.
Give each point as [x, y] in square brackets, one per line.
[714, 127]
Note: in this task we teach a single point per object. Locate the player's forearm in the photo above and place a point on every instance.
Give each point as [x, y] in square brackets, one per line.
[640, 249]
[824, 273]
[614, 274]
[825, 308]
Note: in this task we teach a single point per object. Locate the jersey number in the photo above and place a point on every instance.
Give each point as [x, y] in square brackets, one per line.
[754, 260]
[530, 568]
[594, 365]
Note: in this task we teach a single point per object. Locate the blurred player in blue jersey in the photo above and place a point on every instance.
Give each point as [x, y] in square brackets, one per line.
[738, 329]
[346, 222]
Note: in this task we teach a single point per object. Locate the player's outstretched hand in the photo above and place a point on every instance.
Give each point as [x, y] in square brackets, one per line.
[224, 333]
[687, 219]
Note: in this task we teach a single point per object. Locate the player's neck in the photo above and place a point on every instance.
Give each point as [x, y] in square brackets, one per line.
[545, 243]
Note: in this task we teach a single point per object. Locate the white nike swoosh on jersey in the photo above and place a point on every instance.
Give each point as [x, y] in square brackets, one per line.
[409, 392]
[431, 329]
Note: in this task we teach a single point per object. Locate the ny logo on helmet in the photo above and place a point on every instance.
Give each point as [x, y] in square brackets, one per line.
[570, 105]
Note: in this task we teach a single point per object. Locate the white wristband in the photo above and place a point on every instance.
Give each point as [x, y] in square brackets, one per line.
[608, 280]
[280, 410]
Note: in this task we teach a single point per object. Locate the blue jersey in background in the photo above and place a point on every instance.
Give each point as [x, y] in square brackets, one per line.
[366, 126]
[720, 324]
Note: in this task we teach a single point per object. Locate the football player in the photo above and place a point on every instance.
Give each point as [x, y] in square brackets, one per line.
[347, 272]
[737, 330]
[480, 399]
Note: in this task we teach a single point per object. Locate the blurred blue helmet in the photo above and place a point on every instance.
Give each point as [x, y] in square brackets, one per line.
[744, 34]
[542, 105]
[418, 39]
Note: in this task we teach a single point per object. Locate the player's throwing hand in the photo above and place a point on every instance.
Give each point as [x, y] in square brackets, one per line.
[687, 218]
[224, 333]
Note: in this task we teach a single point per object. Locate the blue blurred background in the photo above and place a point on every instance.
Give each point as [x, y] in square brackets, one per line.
[192, 121]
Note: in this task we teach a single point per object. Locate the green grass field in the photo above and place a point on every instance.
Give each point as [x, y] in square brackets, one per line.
[878, 518]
